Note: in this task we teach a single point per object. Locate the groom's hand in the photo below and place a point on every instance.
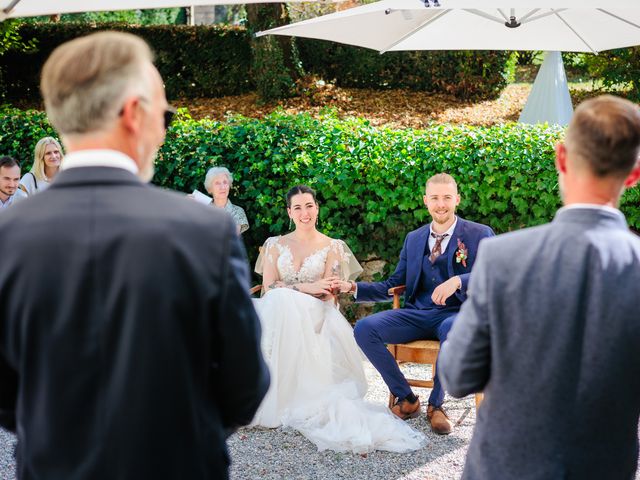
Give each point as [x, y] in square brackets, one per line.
[445, 290]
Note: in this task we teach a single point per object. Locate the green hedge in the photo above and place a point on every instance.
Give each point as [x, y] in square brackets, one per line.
[369, 181]
[204, 61]
[214, 61]
[465, 74]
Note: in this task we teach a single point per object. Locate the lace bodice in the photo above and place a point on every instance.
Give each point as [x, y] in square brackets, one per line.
[341, 262]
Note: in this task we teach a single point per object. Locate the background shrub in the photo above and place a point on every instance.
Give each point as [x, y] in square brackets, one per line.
[213, 61]
[465, 74]
[369, 181]
[203, 61]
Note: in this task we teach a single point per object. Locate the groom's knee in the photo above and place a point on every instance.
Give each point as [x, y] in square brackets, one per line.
[364, 331]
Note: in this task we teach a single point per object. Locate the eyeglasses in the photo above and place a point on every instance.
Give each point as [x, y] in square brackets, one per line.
[168, 114]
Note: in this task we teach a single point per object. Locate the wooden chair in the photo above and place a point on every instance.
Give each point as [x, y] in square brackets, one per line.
[419, 351]
[255, 289]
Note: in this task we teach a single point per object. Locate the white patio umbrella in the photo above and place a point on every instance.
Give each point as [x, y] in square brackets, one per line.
[550, 25]
[34, 8]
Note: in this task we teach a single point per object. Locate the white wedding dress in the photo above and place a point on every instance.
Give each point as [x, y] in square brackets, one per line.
[317, 378]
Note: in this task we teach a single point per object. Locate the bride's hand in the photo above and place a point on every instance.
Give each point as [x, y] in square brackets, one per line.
[340, 286]
[320, 288]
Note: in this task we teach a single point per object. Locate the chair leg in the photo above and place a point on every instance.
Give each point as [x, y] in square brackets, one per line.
[479, 398]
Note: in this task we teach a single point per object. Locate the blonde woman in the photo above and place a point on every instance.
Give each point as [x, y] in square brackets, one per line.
[47, 157]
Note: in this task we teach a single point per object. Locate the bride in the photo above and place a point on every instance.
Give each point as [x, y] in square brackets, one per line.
[317, 379]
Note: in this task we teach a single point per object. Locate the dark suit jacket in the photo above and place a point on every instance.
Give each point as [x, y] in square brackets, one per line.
[128, 344]
[409, 267]
[551, 333]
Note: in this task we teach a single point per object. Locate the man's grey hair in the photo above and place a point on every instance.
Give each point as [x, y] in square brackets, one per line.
[214, 172]
[85, 81]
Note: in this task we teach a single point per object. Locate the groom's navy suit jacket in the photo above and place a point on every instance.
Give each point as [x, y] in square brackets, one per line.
[409, 269]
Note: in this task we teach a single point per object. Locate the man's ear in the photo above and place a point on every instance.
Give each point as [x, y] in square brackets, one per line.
[130, 114]
[633, 177]
[561, 158]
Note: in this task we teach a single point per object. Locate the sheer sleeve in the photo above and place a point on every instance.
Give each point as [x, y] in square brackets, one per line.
[342, 262]
[268, 255]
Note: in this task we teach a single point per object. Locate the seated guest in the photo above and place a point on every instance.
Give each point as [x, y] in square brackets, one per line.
[9, 180]
[47, 157]
[218, 182]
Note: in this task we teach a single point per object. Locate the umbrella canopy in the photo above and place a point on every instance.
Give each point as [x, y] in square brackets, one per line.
[34, 8]
[565, 25]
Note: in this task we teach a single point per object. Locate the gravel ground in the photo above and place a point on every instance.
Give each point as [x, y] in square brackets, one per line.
[270, 454]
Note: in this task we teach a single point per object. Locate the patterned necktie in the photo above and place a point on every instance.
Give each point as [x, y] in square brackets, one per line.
[436, 251]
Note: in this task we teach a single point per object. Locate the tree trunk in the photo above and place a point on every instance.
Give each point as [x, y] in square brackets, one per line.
[275, 63]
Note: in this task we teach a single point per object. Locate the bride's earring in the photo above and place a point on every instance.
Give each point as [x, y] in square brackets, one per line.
[290, 224]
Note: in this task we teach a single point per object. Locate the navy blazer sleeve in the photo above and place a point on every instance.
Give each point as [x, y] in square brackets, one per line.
[379, 291]
[465, 357]
[240, 370]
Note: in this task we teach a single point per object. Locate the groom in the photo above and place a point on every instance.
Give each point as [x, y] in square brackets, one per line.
[435, 265]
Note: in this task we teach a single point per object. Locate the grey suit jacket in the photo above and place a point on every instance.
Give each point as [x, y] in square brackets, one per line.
[551, 334]
[129, 346]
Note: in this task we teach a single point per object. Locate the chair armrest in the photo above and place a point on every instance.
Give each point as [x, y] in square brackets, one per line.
[396, 292]
[399, 290]
[254, 290]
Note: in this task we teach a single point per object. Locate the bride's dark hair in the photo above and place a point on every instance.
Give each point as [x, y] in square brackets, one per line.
[297, 190]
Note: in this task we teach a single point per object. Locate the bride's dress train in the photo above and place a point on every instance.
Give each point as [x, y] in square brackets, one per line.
[317, 379]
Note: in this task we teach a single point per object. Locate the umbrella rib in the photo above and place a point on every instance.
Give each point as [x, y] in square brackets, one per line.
[524, 18]
[480, 13]
[574, 31]
[619, 18]
[542, 15]
[415, 30]
[503, 15]
[7, 10]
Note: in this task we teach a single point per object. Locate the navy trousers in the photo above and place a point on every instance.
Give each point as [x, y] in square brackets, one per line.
[372, 333]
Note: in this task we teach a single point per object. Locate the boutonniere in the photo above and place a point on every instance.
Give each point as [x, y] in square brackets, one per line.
[462, 254]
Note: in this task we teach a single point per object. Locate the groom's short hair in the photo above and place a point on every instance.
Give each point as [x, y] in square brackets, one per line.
[604, 136]
[441, 178]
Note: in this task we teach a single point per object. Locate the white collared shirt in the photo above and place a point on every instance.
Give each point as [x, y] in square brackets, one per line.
[445, 240]
[16, 197]
[99, 158]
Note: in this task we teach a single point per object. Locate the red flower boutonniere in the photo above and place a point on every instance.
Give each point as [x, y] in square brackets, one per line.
[462, 254]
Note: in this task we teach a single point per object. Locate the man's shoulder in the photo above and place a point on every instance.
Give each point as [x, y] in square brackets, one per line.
[174, 203]
[19, 195]
[418, 232]
[516, 240]
[475, 226]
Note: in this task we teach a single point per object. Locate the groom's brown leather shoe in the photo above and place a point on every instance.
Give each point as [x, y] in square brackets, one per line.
[439, 420]
[405, 410]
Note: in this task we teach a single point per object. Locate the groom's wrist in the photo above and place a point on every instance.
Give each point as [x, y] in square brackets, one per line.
[353, 287]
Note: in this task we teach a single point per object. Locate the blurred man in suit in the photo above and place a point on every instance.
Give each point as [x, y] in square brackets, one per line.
[129, 347]
[551, 329]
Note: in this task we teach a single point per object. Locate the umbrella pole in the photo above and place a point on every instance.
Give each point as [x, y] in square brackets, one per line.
[549, 100]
